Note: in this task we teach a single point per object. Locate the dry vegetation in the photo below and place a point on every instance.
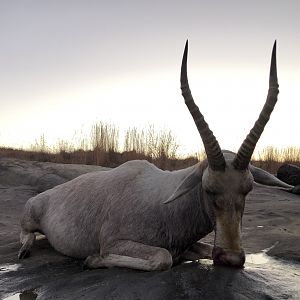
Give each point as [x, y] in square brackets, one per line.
[272, 158]
[103, 148]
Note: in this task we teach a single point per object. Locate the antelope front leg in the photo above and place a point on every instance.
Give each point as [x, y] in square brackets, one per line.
[198, 251]
[132, 255]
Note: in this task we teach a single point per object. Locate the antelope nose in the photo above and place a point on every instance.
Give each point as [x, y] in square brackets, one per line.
[228, 258]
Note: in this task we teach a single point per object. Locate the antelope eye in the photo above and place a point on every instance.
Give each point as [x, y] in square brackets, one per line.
[217, 204]
[209, 192]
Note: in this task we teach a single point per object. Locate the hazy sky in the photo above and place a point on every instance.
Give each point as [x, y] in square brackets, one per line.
[66, 64]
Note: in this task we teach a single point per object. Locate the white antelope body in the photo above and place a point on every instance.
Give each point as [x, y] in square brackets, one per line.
[141, 217]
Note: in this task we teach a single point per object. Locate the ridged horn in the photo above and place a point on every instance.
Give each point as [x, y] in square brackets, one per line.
[243, 157]
[215, 157]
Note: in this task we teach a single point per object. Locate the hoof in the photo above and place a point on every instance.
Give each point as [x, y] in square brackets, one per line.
[23, 254]
[85, 267]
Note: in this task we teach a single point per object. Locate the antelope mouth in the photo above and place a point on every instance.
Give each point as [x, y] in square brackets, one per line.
[223, 257]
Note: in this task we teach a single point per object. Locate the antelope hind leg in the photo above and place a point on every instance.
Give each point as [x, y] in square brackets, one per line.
[27, 239]
[132, 255]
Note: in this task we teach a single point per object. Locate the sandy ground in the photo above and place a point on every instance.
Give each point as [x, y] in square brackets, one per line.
[271, 219]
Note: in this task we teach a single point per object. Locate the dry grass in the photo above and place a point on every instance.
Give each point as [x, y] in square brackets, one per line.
[160, 147]
[271, 158]
[102, 147]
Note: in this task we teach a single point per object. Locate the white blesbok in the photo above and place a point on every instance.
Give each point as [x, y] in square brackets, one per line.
[141, 217]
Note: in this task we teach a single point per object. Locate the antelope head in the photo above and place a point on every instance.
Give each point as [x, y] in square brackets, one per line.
[227, 179]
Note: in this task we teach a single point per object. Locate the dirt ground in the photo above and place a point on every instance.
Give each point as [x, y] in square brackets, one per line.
[271, 220]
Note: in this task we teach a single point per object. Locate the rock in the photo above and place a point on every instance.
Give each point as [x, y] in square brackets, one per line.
[47, 274]
[40, 175]
[296, 190]
[290, 174]
[65, 279]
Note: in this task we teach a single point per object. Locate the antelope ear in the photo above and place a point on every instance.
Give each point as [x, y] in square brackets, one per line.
[187, 184]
